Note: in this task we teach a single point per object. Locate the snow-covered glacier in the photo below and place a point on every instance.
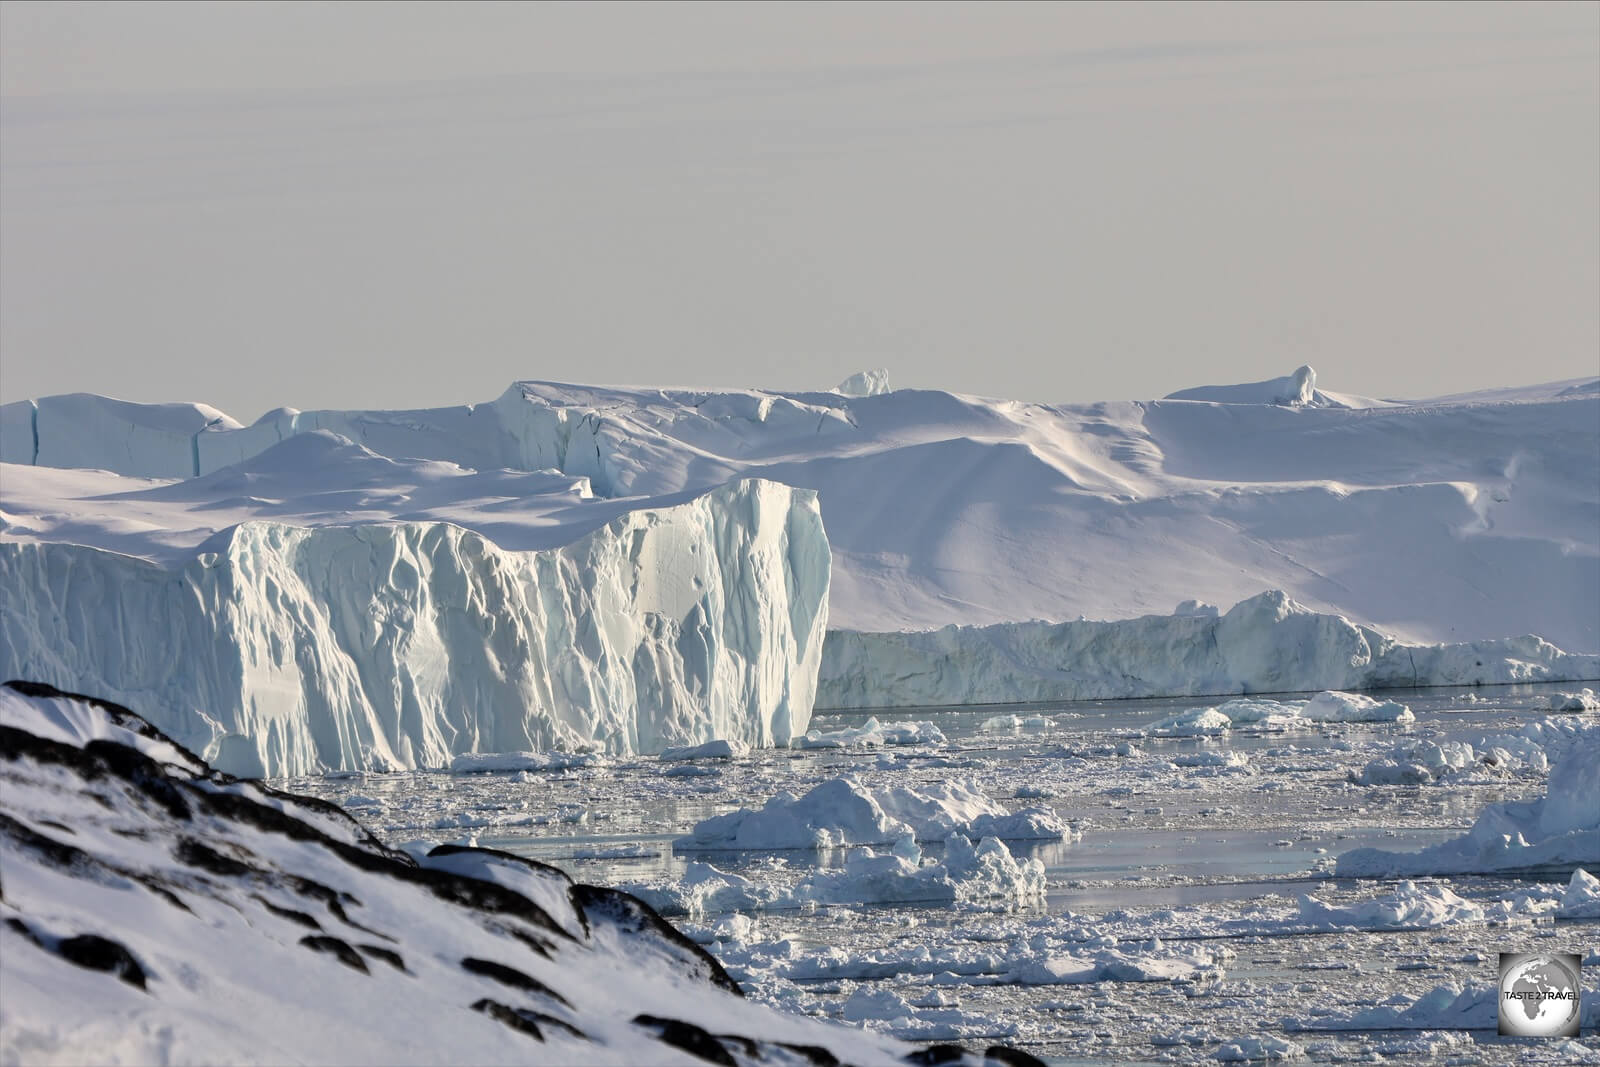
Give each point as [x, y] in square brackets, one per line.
[1441, 527]
[1440, 520]
[277, 648]
[1266, 644]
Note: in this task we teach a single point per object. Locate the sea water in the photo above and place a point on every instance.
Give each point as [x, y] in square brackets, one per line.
[1183, 889]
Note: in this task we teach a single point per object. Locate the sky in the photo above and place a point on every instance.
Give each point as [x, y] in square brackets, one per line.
[402, 205]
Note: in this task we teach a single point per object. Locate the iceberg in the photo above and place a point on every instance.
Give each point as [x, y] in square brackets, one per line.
[278, 649]
[1266, 644]
[842, 812]
[1560, 829]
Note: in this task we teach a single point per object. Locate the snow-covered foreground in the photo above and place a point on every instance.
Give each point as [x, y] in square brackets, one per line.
[156, 912]
[1187, 911]
[1457, 519]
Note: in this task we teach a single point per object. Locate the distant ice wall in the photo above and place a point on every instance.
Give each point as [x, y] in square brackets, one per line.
[277, 649]
[1265, 644]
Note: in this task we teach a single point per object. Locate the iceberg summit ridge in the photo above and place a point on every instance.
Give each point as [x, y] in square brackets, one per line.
[1265, 644]
[281, 650]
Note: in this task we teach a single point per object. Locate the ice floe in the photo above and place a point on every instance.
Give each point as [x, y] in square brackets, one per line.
[1409, 907]
[710, 750]
[871, 733]
[843, 812]
[1559, 828]
[1263, 715]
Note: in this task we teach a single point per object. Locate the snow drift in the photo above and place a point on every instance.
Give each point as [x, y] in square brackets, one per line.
[279, 649]
[1265, 644]
[156, 911]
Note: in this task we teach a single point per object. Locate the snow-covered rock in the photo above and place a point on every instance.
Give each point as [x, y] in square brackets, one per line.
[1268, 643]
[281, 649]
[1558, 829]
[155, 911]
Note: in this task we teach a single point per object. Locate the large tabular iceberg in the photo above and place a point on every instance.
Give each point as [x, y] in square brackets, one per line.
[279, 649]
[1265, 644]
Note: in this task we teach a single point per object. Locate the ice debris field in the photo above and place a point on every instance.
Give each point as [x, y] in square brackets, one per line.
[879, 696]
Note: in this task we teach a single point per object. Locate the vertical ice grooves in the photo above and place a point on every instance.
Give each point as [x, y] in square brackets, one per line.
[33, 421]
[390, 646]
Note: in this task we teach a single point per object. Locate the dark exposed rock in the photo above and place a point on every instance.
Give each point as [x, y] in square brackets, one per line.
[294, 915]
[119, 715]
[815, 1053]
[340, 950]
[690, 1038]
[541, 869]
[521, 1021]
[633, 916]
[25, 930]
[378, 952]
[102, 954]
[192, 853]
[512, 977]
[1011, 1057]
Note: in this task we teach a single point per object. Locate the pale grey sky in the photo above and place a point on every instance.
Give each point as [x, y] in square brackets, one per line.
[400, 205]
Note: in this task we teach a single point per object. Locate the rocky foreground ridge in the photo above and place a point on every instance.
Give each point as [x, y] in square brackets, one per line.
[154, 910]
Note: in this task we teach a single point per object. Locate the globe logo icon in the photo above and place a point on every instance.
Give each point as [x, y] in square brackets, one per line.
[1539, 994]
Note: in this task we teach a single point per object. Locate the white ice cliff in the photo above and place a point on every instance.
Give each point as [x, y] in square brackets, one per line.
[278, 649]
[1266, 644]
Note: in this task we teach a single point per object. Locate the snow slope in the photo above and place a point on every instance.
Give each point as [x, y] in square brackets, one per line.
[1459, 519]
[280, 647]
[157, 912]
